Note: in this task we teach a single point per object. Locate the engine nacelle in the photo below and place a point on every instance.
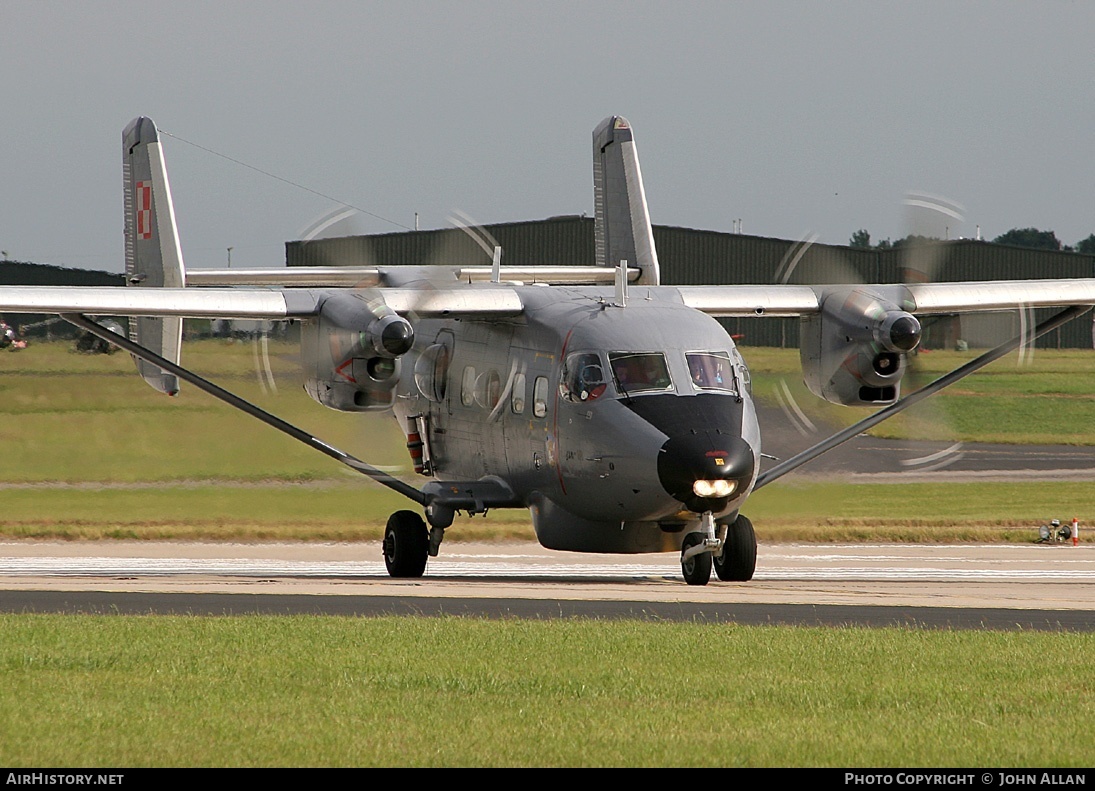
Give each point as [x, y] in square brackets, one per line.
[854, 351]
[350, 352]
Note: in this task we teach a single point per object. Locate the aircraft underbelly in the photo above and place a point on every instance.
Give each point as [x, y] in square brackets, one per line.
[557, 528]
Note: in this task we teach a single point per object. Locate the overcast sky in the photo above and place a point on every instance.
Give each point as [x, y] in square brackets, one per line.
[795, 118]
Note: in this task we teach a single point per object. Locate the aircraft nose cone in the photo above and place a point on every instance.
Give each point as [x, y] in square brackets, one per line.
[704, 456]
[703, 443]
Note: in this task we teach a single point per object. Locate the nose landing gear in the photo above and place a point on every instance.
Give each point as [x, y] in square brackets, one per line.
[695, 559]
[733, 554]
[738, 559]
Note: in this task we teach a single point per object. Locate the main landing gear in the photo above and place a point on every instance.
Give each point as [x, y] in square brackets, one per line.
[406, 544]
[733, 554]
[409, 542]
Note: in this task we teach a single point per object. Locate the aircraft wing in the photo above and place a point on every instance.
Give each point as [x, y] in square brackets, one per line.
[238, 303]
[919, 298]
[188, 302]
[1001, 295]
[722, 300]
[775, 300]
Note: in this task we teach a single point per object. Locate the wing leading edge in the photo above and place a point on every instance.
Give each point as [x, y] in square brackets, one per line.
[1001, 295]
[484, 301]
[922, 298]
[240, 303]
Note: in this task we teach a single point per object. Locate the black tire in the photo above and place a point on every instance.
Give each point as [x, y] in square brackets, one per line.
[697, 569]
[739, 556]
[406, 544]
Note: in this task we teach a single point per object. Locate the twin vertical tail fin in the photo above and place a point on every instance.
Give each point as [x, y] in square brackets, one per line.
[153, 256]
[621, 218]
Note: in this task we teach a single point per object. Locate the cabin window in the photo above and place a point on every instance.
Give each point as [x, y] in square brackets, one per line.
[635, 371]
[431, 371]
[517, 397]
[583, 378]
[467, 386]
[539, 396]
[711, 371]
[488, 389]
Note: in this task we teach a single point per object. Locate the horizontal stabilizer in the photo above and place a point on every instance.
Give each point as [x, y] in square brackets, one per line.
[367, 277]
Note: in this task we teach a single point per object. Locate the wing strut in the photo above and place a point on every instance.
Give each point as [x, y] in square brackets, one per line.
[841, 437]
[233, 400]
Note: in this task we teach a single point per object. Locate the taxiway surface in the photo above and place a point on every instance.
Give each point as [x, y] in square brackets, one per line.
[1033, 584]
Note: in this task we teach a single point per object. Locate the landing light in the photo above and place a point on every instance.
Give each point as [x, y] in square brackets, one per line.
[717, 488]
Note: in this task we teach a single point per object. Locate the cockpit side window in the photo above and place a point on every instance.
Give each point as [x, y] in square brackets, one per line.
[583, 378]
[539, 396]
[711, 371]
[635, 371]
[743, 371]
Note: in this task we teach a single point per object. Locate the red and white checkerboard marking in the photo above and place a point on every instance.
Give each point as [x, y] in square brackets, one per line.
[144, 210]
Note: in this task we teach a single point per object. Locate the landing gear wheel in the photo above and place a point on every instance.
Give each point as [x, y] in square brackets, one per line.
[406, 544]
[739, 556]
[697, 569]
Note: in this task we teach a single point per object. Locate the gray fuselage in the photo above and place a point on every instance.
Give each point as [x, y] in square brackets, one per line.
[540, 402]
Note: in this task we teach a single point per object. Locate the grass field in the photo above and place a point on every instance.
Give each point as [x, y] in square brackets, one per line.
[114, 691]
[357, 511]
[72, 417]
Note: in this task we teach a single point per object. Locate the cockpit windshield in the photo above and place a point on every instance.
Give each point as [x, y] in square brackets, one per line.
[635, 371]
[711, 371]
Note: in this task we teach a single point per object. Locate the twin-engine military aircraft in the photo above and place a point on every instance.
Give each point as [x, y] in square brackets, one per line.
[617, 410]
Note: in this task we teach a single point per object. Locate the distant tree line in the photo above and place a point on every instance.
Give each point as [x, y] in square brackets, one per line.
[1018, 237]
